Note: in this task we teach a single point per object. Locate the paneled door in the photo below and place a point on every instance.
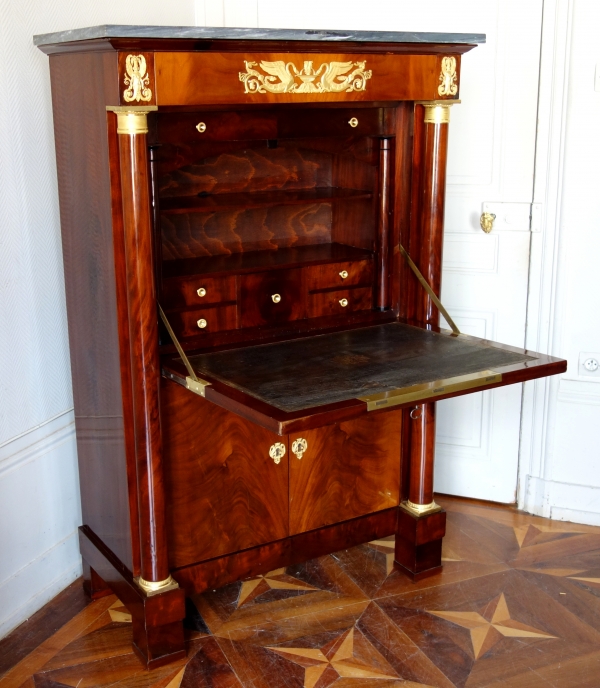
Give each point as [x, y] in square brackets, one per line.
[491, 158]
[485, 276]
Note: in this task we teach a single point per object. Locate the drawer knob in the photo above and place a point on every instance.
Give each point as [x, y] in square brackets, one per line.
[202, 323]
[276, 298]
[277, 452]
[344, 274]
[299, 446]
[343, 303]
[201, 127]
[353, 122]
[201, 292]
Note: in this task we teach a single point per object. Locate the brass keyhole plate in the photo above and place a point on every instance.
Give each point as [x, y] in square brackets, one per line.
[276, 298]
[299, 446]
[353, 122]
[201, 127]
[277, 452]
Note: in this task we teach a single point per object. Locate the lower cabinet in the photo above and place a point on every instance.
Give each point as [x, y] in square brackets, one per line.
[347, 470]
[223, 491]
[232, 485]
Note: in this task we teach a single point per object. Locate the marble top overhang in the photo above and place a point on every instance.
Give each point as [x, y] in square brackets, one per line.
[114, 31]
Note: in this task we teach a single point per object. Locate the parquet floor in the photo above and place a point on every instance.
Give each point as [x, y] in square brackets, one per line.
[517, 606]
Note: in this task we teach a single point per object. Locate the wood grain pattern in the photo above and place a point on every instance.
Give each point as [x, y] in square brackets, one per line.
[94, 290]
[349, 469]
[238, 230]
[198, 78]
[256, 297]
[143, 340]
[419, 543]
[181, 293]
[329, 276]
[325, 303]
[422, 453]
[224, 492]
[218, 317]
[291, 166]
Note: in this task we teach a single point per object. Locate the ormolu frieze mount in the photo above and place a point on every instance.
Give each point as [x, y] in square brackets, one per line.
[282, 77]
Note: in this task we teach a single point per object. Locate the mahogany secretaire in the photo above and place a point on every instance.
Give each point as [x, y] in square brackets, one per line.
[252, 226]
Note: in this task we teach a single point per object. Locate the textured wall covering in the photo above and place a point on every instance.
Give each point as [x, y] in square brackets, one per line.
[39, 504]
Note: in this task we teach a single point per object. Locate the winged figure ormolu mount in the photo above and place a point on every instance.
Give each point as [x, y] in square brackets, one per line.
[282, 77]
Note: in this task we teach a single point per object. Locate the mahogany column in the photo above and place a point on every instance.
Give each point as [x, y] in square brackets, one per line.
[157, 643]
[421, 521]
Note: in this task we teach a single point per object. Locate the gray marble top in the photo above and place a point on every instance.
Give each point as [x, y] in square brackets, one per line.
[224, 33]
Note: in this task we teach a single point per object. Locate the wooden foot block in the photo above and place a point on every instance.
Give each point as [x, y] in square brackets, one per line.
[158, 645]
[419, 543]
[93, 585]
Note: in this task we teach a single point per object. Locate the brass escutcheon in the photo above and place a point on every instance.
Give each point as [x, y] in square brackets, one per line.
[299, 446]
[344, 274]
[201, 292]
[276, 298]
[353, 122]
[486, 222]
[201, 127]
[202, 323]
[277, 452]
[343, 303]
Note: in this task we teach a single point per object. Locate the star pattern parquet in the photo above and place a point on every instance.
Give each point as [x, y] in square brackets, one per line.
[516, 606]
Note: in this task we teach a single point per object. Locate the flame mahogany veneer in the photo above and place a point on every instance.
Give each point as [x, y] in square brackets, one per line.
[255, 214]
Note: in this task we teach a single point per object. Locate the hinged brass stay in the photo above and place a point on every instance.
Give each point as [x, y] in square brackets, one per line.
[192, 381]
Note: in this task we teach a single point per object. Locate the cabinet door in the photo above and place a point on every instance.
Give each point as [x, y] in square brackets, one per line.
[348, 469]
[223, 490]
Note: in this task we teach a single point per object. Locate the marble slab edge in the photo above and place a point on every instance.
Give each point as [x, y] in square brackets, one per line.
[254, 34]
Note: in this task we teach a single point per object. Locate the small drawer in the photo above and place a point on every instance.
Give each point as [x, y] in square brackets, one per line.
[339, 275]
[271, 297]
[336, 122]
[339, 301]
[197, 127]
[197, 291]
[204, 320]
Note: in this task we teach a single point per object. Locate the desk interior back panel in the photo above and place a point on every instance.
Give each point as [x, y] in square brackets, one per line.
[327, 369]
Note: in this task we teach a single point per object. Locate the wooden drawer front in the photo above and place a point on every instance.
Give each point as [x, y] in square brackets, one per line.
[219, 318]
[348, 470]
[257, 306]
[330, 275]
[223, 491]
[331, 302]
[218, 126]
[179, 293]
[334, 122]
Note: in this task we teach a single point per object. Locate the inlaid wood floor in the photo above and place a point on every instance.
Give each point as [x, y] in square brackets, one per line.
[517, 605]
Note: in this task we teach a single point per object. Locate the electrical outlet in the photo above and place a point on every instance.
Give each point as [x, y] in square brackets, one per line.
[589, 364]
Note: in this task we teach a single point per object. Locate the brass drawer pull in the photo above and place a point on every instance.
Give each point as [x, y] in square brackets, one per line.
[202, 323]
[353, 122]
[201, 127]
[201, 292]
[343, 303]
[277, 452]
[276, 298]
[344, 274]
[299, 446]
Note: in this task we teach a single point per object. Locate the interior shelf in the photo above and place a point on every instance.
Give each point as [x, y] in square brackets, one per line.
[313, 254]
[256, 199]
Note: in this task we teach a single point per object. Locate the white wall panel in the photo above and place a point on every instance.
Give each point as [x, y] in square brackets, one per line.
[39, 503]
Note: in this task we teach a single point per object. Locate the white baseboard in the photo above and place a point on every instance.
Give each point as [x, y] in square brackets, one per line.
[22, 594]
[556, 500]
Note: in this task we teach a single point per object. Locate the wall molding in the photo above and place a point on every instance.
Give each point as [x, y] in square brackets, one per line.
[555, 500]
[50, 565]
[30, 445]
[540, 397]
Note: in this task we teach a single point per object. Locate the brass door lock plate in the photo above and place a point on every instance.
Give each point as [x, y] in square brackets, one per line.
[299, 446]
[277, 452]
